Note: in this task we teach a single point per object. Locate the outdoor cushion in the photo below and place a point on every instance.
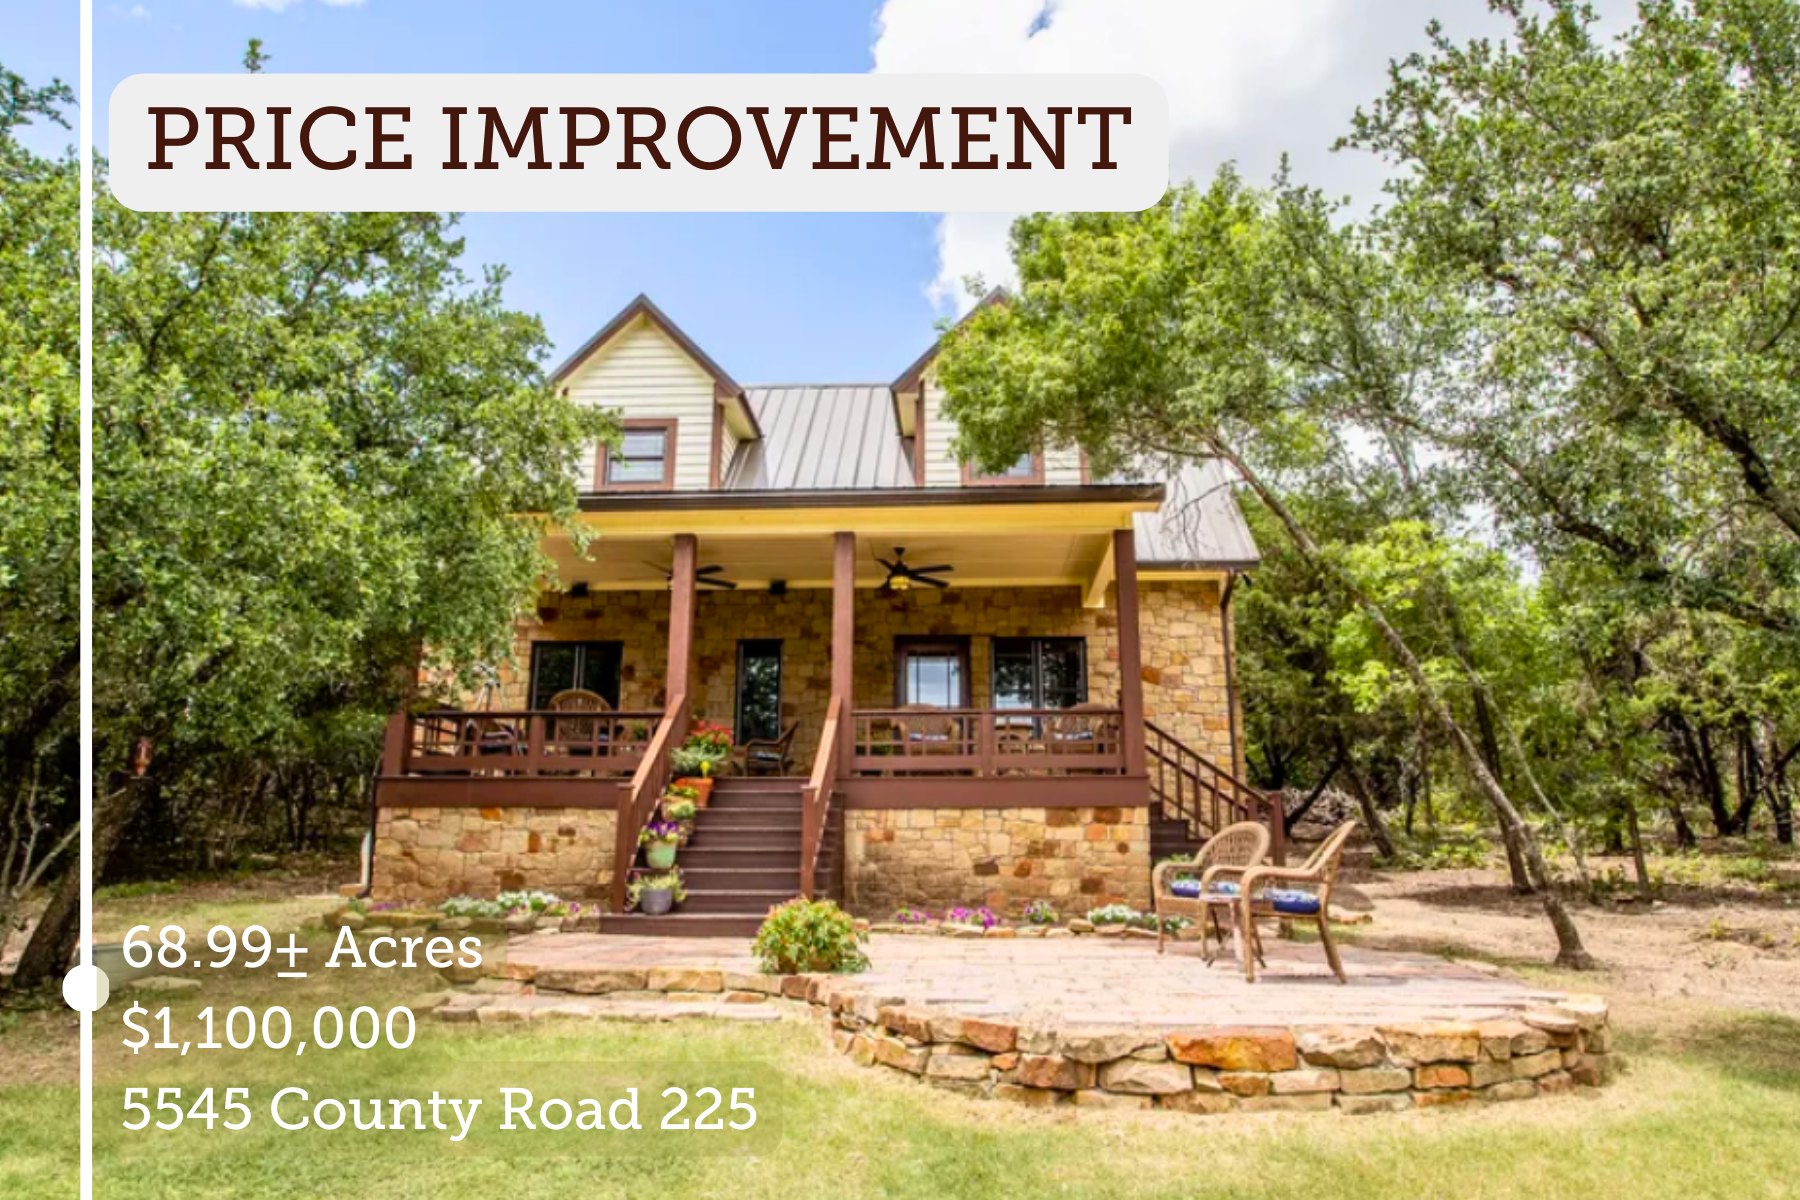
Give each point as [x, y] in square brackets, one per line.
[1190, 888]
[1290, 901]
[1224, 888]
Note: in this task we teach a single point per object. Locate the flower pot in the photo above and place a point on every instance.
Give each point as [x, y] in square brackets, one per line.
[658, 903]
[660, 856]
[702, 784]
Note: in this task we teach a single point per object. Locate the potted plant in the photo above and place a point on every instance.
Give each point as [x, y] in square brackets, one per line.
[654, 893]
[659, 840]
[679, 805]
[699, 756]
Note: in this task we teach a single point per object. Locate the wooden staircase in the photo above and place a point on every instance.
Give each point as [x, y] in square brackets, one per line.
[743, 859]
[1193, 798]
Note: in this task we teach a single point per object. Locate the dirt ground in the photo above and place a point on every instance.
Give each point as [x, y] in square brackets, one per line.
[1717, 943]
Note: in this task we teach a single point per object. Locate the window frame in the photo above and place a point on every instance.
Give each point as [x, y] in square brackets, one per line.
[1037, 645]
[582, 647]
[669, 427]
[935, 644]
[973, 478]
[737, 714]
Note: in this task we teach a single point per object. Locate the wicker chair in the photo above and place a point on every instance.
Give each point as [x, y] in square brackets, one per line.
[926, 729]
[1292, 893]
[1237, 846]
[770, 756]
[1082, 729]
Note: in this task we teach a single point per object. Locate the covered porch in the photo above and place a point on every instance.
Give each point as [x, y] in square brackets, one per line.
[1020, 685]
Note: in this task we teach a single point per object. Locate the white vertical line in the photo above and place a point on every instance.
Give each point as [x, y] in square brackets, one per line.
[86, 160]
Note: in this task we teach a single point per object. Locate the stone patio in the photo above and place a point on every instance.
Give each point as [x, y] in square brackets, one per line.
[1101, 1022]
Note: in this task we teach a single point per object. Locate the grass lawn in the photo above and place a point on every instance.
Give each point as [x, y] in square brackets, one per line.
[1711, 1108]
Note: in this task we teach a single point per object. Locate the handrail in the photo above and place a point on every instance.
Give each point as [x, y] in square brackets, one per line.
[988, 741]
[815, 798]
[512, 742]
[639, 800]
[1206, 795]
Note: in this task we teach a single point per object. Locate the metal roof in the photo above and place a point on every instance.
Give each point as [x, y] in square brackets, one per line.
[821, 437]
[844, 437]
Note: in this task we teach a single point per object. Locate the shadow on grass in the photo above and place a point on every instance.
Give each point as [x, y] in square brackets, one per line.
[1758, 1048]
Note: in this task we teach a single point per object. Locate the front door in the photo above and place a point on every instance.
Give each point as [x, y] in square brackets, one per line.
[932, 671]
[590, 666]
[759, 690]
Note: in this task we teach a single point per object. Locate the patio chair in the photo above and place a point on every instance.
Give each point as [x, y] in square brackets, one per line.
[578, 734]
[1293, 893]
[770, 756]
[926, 729]
[1241, 846]
[1082, 729]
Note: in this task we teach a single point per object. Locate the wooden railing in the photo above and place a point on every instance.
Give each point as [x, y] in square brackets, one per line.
[1192, 787]
[815, 798]
[524, 742]
[638, 803]
[974, 741]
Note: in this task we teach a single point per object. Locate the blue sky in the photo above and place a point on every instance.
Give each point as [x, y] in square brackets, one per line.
[772, 297]
[803, 297]
[42, 41]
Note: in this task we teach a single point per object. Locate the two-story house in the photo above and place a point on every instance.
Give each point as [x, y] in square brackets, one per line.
[992, 688]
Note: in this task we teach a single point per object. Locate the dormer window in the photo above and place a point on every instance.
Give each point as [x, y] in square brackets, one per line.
[644, 460]
[1027, 469]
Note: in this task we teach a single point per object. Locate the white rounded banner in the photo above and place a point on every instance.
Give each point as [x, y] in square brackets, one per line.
[668, 143]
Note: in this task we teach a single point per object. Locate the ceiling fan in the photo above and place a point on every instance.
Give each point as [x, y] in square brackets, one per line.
[902, 575]
[704, 576]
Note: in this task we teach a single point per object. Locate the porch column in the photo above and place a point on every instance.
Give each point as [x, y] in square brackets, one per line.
[682, 591]
[1131, 655]
[843, 639]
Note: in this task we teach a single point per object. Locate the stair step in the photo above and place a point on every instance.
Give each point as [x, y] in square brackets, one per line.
[682, 924]
[705, 880]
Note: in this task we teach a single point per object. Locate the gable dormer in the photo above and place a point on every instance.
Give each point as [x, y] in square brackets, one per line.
[918, 408]
[682, 415]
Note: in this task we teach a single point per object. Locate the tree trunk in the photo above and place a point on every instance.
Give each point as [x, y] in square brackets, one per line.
[1637, 850]
[1365, 800]
[46, 956]
[1570, 951]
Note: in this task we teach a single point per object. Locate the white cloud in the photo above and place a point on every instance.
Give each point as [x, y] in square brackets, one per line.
[1245, 81]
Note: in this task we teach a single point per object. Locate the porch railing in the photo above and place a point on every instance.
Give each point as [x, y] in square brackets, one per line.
[638, 802]
[1195, 789]
[815, 798]
[974, 741]
[524, 742]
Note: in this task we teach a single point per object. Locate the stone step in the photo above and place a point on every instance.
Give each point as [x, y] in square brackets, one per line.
[682, 924]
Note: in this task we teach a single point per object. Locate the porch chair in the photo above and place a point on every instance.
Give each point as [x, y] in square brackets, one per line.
[927, 729]
[1236, 846]
[1291, 893]
[1082, 729]
[579, 735]
[770, 756]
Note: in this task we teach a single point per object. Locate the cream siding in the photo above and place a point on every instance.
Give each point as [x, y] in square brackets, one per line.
[642, 373]
[728, 445]
[941, 466]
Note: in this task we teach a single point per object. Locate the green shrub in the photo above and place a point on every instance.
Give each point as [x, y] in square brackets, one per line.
[809, 935]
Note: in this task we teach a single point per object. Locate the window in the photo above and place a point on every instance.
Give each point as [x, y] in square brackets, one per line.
[591, 666]
[1040, 672]
[1028, 468]
[759, 689]
[932, 671]
[644, 460]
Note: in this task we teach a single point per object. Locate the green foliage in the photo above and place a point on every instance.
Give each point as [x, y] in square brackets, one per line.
[316, 437]
[1445, 851]
[809, 935]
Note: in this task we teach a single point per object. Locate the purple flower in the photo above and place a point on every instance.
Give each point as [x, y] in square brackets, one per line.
[983, 916]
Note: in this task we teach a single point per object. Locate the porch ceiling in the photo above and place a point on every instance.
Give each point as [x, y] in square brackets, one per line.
[619, 561]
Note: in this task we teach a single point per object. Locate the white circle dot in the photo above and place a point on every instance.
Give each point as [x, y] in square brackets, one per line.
[85, 988]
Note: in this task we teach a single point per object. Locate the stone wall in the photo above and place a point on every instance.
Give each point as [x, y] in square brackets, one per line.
[1183, 648]
[434, 853]
[1078, 858]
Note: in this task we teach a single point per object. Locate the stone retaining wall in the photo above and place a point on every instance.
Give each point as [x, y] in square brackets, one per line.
[432, 854]
[1204, 1070]
[1078, 858]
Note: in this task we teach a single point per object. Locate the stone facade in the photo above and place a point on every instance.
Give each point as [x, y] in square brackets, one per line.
[431, 854]
[1079, 858]
[1184, 662]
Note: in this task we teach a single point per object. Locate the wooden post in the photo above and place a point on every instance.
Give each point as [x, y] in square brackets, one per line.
[395, 747]
[682, 601]
[1131, 657]
[843, 642]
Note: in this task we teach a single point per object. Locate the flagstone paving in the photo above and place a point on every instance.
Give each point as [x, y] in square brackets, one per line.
[1089, 979]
